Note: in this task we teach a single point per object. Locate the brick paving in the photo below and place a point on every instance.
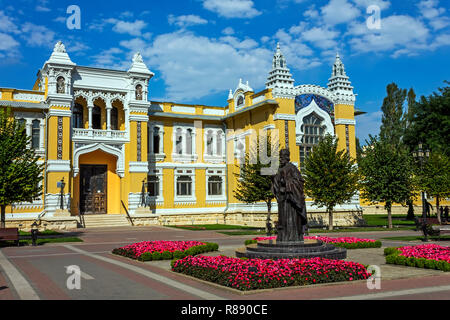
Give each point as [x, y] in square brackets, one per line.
[44, 268]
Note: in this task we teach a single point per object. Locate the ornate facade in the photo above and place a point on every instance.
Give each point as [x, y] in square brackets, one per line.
[97, 130]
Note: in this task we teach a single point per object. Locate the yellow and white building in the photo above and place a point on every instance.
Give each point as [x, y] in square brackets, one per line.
[97, 130]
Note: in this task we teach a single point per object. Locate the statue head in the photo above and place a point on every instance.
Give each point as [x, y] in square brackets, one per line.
[285, 157]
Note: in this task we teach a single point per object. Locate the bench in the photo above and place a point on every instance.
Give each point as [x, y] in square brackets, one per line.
[9, 234]
[441, 230]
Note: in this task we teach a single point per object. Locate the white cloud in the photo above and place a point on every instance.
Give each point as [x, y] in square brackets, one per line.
[195, 66]
[400, 33]
[7, 42]
[321, 37]
[110, 58]
[228, 31]
[339, 11]
[382, 4]
[434, 14]
[120, 26]
[186, 20]
[7, 24]
[37, 35]
[232, 8]
[42, 6]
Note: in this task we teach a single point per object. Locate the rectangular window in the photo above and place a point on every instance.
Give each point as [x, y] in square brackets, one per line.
[153, 186]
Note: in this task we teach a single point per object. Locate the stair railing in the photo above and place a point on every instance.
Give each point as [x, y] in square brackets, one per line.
[128, 214]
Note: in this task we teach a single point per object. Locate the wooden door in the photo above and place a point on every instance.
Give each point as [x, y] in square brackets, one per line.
[93, 188]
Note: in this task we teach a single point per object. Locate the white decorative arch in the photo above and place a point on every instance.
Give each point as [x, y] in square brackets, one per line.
[302, 113]
[118, 152]
[317, 90]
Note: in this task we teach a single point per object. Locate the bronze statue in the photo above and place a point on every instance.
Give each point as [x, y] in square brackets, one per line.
[287, 186]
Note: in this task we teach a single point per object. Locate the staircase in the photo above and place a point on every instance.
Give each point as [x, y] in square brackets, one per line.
[106, 220]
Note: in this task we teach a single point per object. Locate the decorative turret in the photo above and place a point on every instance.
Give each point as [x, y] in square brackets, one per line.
[280, 75]
[139, 76]
[139, 67]
[340, 85]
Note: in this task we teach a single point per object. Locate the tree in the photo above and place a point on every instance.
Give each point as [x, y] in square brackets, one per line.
[386, 174]
[331, 176]
[393, 122]
[429, 122]
[20, 173]
[252, 186]
[434, 177]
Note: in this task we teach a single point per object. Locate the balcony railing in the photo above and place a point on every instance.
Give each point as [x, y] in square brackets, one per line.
[95, 134]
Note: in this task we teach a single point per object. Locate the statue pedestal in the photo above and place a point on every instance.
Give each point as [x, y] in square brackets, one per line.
[61, 213]
[143, 210]
[271, 249]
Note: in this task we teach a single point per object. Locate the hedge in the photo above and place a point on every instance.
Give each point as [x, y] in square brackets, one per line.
[393, 257]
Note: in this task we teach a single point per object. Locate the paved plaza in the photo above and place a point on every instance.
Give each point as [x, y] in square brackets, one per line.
[41, 272]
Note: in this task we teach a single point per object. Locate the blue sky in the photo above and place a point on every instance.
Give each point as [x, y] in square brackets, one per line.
[198, 49]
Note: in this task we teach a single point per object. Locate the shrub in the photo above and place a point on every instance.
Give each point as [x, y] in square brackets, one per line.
[427, 256]
[178, 254]
[147, 256]
[156, 255]
[166, 255]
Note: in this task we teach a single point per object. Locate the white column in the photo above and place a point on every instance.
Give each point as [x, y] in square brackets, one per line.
[214, 142]
[90, 107]
[150, 138]
[108, 115]
[29, 129]
[42, 134]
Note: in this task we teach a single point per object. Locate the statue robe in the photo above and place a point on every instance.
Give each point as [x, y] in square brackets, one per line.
[287, 186]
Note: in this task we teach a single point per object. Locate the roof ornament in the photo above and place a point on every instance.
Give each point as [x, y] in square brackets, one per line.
[138, 57]
[59, 47]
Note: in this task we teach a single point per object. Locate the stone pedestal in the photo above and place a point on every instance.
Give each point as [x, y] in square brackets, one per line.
[61, 213]
[271, 249]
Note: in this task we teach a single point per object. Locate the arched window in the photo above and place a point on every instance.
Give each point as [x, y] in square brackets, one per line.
[219, 142]
[35, 132]
[184, 186]
[214, 186]
[153, 186]
[313, 129]
[139, 92]
[97, 118]
[209, 143]
[60, 85]
[114, 119]
[189, 141]
[77, 117]
[156, 140]
[240, 101]
[179, 141]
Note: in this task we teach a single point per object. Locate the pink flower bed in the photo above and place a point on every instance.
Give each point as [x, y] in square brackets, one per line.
[427, 251]
[254, 274]
[135, 250]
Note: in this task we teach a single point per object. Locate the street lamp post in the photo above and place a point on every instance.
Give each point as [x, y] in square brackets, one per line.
[422, 156]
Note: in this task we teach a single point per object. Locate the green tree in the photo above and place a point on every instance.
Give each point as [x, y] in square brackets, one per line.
[20, 173]
[331, 176]
[429, 122]
[434, 177]
[386, 174]
[393, 122]
[252, 186]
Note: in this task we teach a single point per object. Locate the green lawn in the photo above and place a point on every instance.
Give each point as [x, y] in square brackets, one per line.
[45, 233]
[417, 238]
[377, 220]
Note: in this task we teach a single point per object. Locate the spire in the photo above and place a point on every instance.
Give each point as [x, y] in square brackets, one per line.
[230, 94]
[280, 75]
[60, 56]
[138, 65]
[340, 84]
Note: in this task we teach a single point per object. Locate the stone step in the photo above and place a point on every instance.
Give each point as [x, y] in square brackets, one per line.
[98, 221]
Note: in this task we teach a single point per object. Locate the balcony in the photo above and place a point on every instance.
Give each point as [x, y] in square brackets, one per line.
[99, 135]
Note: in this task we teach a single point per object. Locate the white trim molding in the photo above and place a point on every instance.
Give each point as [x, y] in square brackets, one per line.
[284, 116]
[138, 167]
[345, 122]
[58, 166]
[116, 150]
